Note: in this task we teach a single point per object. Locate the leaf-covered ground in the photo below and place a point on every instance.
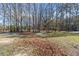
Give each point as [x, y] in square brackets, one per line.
[39, 44]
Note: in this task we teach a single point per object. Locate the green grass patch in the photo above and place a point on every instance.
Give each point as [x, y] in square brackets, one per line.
[6, 50]
[56, 34]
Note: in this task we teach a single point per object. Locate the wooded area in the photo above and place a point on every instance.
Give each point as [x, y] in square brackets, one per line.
[39, 29]
[36, 17]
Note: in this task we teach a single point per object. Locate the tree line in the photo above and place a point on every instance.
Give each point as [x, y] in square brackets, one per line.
[36, 17]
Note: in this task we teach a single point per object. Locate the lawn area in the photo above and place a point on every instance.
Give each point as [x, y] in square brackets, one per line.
[55, 43]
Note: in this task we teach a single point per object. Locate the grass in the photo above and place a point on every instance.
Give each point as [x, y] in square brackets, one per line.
[6, 50]
[61, 34]
[74, 38]
[56, 34]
